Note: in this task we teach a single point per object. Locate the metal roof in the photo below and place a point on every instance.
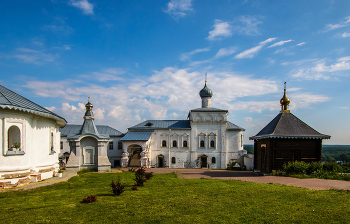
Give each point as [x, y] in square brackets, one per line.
[137, 136]
[161, 124]
[286, 125]
[211, 109]
[74, 129]
[232, 126]
[12, 100]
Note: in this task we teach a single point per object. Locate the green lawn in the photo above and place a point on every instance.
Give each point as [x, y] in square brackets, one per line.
[168, 199]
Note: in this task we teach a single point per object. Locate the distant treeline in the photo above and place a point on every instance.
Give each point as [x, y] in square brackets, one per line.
[330, 153]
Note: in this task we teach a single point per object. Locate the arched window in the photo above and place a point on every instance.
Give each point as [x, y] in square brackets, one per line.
[163, 143]
[174, 143]
[51, 142]
[173, 160]
[202, 144]
[212, 143]
[14, 137]
[213, 160]
[185, 144]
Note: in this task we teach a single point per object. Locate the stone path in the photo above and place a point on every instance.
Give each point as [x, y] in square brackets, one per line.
[67, 174]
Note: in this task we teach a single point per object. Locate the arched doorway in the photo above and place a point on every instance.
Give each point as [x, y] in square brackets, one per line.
[134, 155]
[204, 161]
[160, 161]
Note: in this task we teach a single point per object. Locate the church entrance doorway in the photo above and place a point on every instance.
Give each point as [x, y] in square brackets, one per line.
[160, 161]
[204, 161]
[134, 155]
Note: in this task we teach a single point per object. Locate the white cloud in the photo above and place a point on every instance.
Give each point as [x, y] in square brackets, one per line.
[50, 108]
[84, 5]
[280, 43]
[167, 94]
[248, 119]
[345, 35]
[345, 108]
[280, 50]
[329, 27]
[221, 29]
[247, 25]
[250, 53]
[186, 56]
[110, 74]
[321, 71]
[27, 55]
[179, 8]
[194, 63]
[301, 44]
[225, 51]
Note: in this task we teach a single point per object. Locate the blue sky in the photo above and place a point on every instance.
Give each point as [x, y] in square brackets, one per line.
[142, 60]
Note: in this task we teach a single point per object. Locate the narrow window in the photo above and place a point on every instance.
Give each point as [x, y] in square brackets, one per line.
[110, 145]
[51, 142]
[174, 143]
[173, 160]
[213, 160]
[202, 144]
[185, 144]
[212, 143]
[163, 143]
[14, 137]
[120, 145]
[61, 145]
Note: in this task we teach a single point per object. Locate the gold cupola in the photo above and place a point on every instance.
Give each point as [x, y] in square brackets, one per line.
[285, 101]
[88, 113]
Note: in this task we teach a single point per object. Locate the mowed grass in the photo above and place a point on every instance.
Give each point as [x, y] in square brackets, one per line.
[168, 199]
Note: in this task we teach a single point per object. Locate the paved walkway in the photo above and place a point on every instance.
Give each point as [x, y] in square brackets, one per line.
[312, 183]
[316, 184]
[67, 174]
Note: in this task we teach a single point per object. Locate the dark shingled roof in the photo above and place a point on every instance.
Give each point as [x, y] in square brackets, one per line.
[75, 129]
[11, 100]
[161, 124]
[286, 125]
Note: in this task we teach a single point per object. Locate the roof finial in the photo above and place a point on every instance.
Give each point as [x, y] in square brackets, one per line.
[206, 74]
[89, 99]
[285, 101]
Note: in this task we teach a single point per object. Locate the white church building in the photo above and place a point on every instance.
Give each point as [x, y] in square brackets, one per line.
[206, 139]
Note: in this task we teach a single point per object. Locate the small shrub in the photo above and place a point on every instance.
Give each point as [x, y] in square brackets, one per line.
[139, 180]
[140, 171]
[90, 199]
[148, 176]
[118, 187]
[296, 167]
[134, 188]
[313, 167]
[331, 166]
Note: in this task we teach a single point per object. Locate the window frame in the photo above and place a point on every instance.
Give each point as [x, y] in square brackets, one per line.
[174, 144]
[164, 143]
[213, 160]
[173, 160]
[110, 144]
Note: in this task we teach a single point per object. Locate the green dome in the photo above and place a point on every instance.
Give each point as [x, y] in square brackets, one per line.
[206, 92]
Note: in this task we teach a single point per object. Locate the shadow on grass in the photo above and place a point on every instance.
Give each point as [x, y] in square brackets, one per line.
[211, 174]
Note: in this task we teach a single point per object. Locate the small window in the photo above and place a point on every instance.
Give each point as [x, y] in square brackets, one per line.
[185, 144]
[173, 160]
[212, 144]
[202, 144]
[61, 145]
[14, 137]
[213, 160]
[51, 143]
[163, 143]
[110, 146]
[174, 143]
[120, 145]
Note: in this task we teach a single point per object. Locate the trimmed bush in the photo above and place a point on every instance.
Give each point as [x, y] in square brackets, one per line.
[90, 199]
[296, 167]
[118, 187]
[230, 165]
